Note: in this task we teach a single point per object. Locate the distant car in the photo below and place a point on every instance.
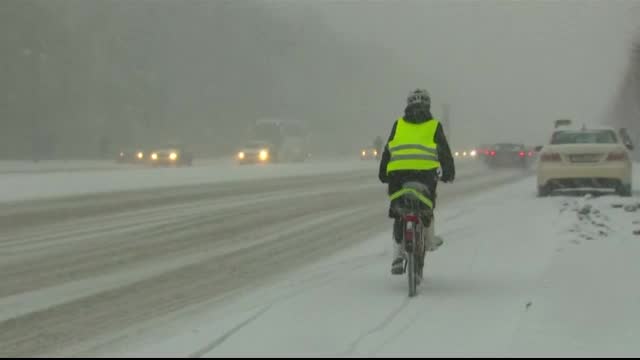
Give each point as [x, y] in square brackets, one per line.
[590, 158]
[256, 152]
[175, 155]
[369, 154]
[508, 155]
[132, 156]
[471, 154]
[482, 151]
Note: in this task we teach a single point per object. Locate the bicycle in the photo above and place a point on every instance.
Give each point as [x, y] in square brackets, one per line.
[415, 211]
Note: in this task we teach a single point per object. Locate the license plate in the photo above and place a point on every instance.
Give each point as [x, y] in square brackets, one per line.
[585, 158]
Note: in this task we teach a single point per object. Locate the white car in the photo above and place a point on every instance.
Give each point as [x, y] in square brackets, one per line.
[585, 158]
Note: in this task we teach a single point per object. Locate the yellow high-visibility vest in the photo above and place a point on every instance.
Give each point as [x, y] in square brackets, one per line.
[413, 147]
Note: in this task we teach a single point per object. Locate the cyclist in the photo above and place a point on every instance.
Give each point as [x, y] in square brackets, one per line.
[417, 150]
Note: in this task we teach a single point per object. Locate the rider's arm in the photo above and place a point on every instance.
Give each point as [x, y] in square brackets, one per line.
[386, 156]
[444, 155]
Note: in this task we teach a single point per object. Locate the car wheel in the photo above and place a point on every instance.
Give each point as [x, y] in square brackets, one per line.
[625, 190]
[544, 191]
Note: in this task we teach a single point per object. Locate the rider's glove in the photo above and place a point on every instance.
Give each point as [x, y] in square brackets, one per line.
[447, 178]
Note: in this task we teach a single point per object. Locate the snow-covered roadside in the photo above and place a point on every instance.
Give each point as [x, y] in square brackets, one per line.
[588, 303]
[14, 167]
[29, 186]
[518, 275]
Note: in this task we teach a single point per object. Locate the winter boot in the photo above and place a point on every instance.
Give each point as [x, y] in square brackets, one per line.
[432, 242]
[397, 267]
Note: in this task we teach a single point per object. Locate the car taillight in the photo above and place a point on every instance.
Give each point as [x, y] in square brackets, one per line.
[617, 156]
[493, 153]
[530, 153]
[522, 154]
[550, 157]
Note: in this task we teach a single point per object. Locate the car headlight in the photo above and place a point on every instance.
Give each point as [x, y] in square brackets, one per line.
[241, 155]
[473, 153]
[140, 155]
[154, 156]
[464, 153]
[364, 153]
[121, 154]
[264, 155]
[457, 153]
[375, 152]
[173, 156]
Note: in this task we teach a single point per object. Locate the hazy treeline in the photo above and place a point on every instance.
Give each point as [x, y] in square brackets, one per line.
[626, 108]
[85, 77]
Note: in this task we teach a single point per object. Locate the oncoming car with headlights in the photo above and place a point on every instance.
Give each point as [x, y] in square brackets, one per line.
[255, 152]
[466, 153]
[129, 156]
[171, 156]
[369, 154]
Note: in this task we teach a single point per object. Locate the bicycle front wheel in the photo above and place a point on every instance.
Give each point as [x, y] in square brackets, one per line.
[412, 265]
[411, 272]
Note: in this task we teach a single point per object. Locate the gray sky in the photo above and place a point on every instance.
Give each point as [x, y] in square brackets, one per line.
[150, 71]
[508, 68]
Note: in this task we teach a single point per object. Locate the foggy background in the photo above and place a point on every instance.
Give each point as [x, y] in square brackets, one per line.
[625, 109]
[83, 78]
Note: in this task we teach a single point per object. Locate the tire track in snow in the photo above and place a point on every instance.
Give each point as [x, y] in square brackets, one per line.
[319, 279]
[353, 347]
[412, 321]
[113, 248]
[219, 341]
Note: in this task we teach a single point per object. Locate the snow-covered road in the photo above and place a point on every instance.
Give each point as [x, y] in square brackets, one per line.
[518, 276]
[77, 272]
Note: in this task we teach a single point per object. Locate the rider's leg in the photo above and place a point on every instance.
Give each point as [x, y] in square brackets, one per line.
[432, 241]
[397, 266]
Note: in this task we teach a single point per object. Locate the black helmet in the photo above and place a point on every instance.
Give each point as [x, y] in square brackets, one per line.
[419, 96]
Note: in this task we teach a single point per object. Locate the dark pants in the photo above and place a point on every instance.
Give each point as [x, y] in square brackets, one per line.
[393, 188]
[431, 181]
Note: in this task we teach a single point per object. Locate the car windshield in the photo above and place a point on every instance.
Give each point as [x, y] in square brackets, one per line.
[256, 144]
[584, 137]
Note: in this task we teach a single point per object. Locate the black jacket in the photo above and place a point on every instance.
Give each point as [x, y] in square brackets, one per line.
[417, 114]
